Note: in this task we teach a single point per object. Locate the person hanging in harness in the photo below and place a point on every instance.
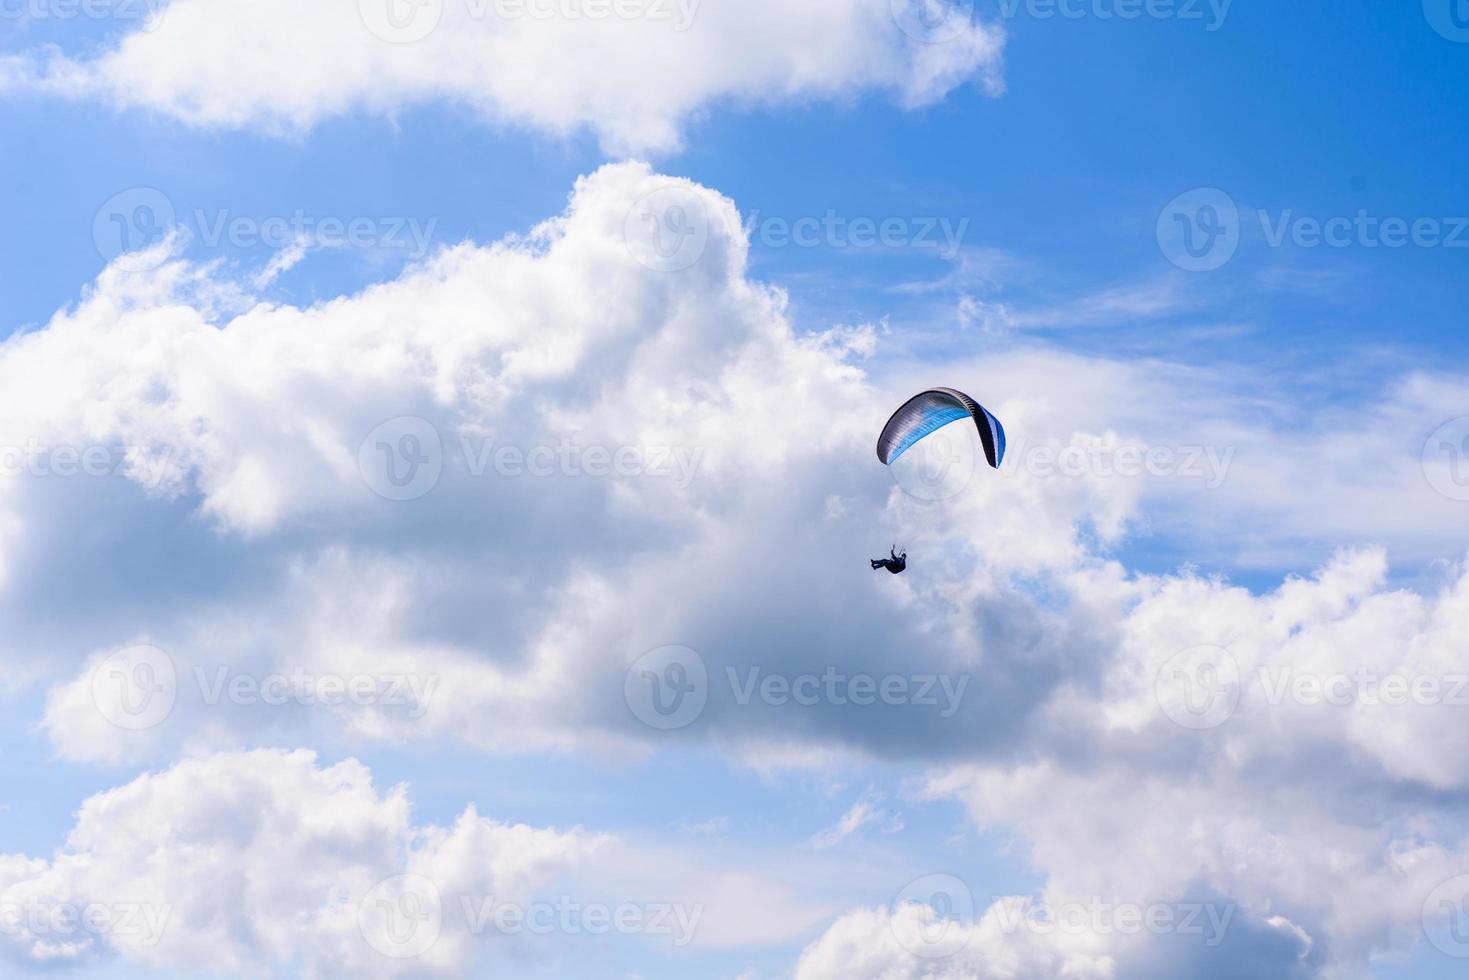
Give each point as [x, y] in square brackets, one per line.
[895, 563]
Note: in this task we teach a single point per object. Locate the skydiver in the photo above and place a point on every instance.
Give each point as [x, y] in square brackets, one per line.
[895, 563]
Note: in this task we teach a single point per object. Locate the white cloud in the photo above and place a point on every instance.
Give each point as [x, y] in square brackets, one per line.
[270, 861]
[1276, 770]
[524, 598]
[1016, 938]
[633, 71]
[248, 861]
[898, 944]
[869, 811]
[245, 536]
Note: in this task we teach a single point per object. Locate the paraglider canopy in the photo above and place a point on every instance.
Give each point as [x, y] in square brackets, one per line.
[931, 410]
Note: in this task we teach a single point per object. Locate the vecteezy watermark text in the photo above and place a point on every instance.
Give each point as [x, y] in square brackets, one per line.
[831, 686]
[935, 917]
[141, 11]
[403, 916]
[412, 692]
[566, 915]
[149, 465]
[943, 464]
[1098, 457]
[669, 229]
[404, 457]
[411, 21]
[1362, 686]
[668, 688]
[678, 14]
[942, 235]
[138, 687]
[571, 459]
[139, 923]
[1212, 13]
[1203, 229]
[1203, 687]
[1096, 917]
[141, 217]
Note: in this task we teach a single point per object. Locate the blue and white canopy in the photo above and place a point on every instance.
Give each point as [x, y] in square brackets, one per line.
[931, 410]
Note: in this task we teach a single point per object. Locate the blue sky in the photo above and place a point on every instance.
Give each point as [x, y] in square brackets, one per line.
[1284, 108]
[1027, 262]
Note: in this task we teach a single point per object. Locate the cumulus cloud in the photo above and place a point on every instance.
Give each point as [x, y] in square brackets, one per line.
[1017, 939]
[633, 71]
[270, 861]
[903, 943]
[252, 521]
[293, 494]
[249, 861]
[1299, 753]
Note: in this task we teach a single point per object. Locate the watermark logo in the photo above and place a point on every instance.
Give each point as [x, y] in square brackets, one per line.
[1199, 688]
[1445, 459]
[131, 221]
[136, 687]
[667, 688]
[401, 21]
[1449, 17]
[1446, 918]
[940, 465]
[947, 923]
[667, 229]
[933, 21]
[402, 459]
[1199, 231]
[402, 916]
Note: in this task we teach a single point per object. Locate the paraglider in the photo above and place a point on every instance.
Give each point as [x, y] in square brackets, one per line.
[895, 563]
[921, 416]
[931, 410]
